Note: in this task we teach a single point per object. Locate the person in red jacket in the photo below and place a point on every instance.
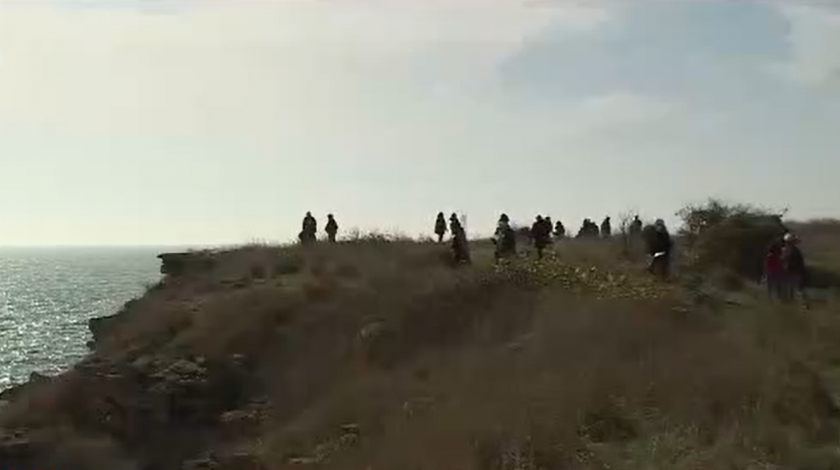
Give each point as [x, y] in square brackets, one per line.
[774, 271]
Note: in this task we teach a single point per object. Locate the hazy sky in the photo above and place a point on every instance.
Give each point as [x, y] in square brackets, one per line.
[129, 121]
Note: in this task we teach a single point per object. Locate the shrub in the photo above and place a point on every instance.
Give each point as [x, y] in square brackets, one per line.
[734, 237]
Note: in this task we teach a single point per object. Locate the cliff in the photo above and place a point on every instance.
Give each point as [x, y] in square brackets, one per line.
[375, 355]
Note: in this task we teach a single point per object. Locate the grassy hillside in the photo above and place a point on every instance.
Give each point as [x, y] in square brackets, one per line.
[376, 354]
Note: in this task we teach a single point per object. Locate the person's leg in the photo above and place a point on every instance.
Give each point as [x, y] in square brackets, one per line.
[772, 282]
[786, 286]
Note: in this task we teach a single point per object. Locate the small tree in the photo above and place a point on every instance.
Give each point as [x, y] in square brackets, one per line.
[624, 220]
[730, 236]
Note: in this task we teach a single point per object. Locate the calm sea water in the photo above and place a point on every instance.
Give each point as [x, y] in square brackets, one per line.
[47, 296]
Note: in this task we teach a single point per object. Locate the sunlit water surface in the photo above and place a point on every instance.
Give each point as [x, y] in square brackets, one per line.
[47, 296]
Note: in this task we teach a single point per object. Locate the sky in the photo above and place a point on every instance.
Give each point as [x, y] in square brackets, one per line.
[126, 122]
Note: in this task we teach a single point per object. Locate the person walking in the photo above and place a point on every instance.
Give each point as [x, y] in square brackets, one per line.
[794, 268]
[504, 239]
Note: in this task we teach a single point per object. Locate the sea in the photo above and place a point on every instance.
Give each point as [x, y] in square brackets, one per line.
[47, 296]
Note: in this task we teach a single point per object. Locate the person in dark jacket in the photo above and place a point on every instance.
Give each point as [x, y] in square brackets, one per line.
[549, 227]
[635, 227]
[504, 239]
[559, 230]
[606, 228]
[460, 247]
[774, 271]
[331, 228]
[659, 248]
[309, 229]
[541, 234]
[584, 229]
[440, 227]
[794, 268]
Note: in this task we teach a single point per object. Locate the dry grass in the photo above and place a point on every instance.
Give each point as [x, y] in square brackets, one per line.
[373, 353]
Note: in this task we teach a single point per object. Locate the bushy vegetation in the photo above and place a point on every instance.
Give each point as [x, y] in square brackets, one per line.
[734, 237]
[373, 353]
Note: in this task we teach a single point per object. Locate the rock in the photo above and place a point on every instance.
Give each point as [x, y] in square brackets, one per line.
[201, 464]
[238, 423]
[242, 461]
[371, 330]
[20, 448]
[99, 327]
[35, 377]
[235, 461]
[351, 429]
[12, 392]
[143, 363]
[179, 264]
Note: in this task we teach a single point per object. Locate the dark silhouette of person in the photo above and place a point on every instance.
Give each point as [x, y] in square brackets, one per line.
[549, 227]
[586, 229]
[440, 227]
[331, 228]
[635, 227]
[559, 230]
[606, 228]
[309, 229]
[540, 235]
[593, 229]
[795, 271]
[460, 248]
[659, 247]
[504, 239]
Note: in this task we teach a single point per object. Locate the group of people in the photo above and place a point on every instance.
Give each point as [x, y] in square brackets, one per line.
[309, 231]
[543, 232]
[784, 269]
[784, 264]
[460, 245]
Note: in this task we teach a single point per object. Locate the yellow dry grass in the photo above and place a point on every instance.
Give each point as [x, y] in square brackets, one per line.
[375, 354]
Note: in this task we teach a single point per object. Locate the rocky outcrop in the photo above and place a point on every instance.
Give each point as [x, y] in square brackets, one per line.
[179, 264]
[35, 380]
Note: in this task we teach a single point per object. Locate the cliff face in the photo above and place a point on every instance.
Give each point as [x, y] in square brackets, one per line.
[377, 354]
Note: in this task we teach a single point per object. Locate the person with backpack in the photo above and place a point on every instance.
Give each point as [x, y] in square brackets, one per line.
[504, 239]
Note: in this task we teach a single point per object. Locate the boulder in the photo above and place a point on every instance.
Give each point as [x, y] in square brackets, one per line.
[179, 264]
[99, 327]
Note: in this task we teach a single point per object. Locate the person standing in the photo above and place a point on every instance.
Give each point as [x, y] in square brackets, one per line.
[774, 271]
[460, 247]
[440, 227]
[606, 228]
[794, 267]
[309, 229]
[659, 248]
[541, 234]
[331, 228]
[559, 230]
